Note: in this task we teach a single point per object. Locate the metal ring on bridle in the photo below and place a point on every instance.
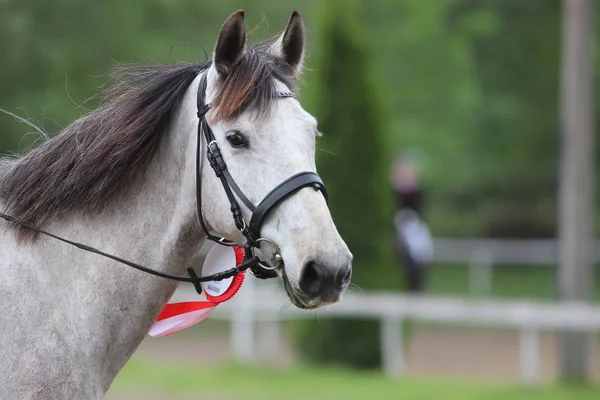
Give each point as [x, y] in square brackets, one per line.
[244, 227]
[277, 253]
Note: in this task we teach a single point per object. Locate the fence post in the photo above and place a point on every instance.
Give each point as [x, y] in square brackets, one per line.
[529, 352]
[242, 324]
[480, 273]
[270, 334]
[392, 346]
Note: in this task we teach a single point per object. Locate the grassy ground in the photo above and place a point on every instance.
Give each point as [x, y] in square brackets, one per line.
[230, 382]
[182, 379]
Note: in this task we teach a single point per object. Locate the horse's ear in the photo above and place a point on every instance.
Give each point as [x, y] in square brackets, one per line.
[231, 43]
[290, 46]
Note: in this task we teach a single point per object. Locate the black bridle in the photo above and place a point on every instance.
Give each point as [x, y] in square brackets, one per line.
[250, 231]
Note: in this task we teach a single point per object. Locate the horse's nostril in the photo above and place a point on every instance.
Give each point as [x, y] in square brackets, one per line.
[310, 281]
[343, 277]
[317, 280]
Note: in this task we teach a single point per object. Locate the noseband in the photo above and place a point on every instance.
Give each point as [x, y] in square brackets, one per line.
[251, 231]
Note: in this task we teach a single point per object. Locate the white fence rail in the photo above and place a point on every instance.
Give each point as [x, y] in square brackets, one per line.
[507, 251]
[482, 254]
[260, 302]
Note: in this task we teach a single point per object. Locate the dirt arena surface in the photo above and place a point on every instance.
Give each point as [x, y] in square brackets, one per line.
[493, 356]
[456, 353]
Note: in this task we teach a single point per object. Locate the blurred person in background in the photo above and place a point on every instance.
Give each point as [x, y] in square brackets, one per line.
[412, 241]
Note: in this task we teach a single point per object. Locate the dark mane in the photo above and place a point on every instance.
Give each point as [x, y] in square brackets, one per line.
[97, 157]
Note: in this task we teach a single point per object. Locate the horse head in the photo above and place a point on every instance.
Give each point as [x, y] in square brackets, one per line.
[265, 137]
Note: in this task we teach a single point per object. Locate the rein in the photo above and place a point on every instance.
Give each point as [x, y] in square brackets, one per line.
[193, 278]
[250, 231]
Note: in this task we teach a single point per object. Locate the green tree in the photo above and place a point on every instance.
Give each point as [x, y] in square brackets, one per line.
[516, 124]
[353, 164]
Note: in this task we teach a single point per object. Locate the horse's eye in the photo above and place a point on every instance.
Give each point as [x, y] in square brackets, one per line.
[236, 139]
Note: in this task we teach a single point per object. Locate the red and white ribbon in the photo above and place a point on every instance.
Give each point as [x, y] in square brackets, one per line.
[178, 316]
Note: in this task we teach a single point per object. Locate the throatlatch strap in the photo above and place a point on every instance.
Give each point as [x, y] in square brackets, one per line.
[249, 262]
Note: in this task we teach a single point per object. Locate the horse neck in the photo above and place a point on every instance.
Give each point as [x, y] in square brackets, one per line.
[155, 225]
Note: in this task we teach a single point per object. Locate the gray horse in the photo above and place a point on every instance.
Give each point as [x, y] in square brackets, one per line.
[123, 179]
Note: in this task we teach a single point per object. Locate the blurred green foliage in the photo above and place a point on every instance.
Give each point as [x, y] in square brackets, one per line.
[474, 86]
[146, 377]
[470, 85]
